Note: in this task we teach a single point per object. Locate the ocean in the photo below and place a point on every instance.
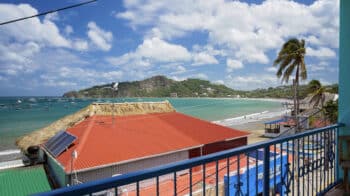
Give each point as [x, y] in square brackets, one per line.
[21, 115]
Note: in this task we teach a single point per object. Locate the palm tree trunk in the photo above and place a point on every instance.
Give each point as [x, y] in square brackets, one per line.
[296, 100]
[296, 143]
[323, 113]
[296, 112]
[295, 105]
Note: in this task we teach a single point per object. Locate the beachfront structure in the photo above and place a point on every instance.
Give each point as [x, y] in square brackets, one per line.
[284, 126]
[23, 181]
[102, 146]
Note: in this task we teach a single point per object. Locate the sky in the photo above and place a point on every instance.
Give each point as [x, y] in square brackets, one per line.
[226, 42]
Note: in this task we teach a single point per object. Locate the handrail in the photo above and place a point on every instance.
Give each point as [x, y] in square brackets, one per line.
[132, 177]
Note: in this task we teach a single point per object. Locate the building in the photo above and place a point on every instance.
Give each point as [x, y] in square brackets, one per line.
[108, 145]
[23, 181]
[173, 94]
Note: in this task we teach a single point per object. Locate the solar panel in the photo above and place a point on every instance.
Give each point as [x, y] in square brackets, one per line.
[58, 143]
[52, 140]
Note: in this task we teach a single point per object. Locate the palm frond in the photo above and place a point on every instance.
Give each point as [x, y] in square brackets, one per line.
[290, 56]
[288, 72]
[303, 71]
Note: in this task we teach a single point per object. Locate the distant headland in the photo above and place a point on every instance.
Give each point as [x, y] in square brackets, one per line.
[161, 86]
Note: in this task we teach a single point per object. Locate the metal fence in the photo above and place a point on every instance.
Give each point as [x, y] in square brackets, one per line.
[300, 164]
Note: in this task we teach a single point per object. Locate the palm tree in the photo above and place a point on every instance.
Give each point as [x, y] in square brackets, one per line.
[290, 59]
[318, 96]
[318, 93]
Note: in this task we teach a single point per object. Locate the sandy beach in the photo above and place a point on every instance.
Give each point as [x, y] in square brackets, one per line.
[255, 128]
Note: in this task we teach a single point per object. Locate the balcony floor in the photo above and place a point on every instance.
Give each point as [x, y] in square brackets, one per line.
[336, 191]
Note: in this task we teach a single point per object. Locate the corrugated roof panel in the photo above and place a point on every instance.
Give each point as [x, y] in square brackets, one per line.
[23, 181]
[276, 121]
[102, 142]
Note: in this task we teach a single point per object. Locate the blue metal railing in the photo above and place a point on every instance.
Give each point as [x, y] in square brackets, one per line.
[301, 164]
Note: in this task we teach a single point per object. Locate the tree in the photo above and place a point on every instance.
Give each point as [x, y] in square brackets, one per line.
[290, 59]
[317, 96]
[317, 93]
[331, 111]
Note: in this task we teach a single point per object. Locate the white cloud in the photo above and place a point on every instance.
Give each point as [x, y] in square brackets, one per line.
[179, 69]
[176, 78]
[321, 67]
[68, 30]
[162, 51]
[16, 58]
[81, 45]
[203, 58]
[315, 68]
[233, 64]
[112, 75]
[151, 52]
[199, 76]
[99, 37]
[21, 46]
[77, 77]
[321, 52]
[52, 83]
[44, 32]
[202, 76]
[248, 32]
[252, 81]
[52, 16]
[271, 69]
[219, 82]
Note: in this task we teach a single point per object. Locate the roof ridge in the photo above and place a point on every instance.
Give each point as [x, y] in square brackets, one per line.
[85, 135]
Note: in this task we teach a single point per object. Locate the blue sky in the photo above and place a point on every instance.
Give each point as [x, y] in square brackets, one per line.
[227, 42]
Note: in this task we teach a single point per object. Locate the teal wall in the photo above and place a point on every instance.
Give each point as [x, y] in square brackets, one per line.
[344, 71]
[344, 66]
[57, 172]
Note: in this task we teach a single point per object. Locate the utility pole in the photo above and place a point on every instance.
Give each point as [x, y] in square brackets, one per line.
[114, 89]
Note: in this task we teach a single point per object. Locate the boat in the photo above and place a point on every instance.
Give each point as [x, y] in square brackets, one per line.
[32, 100]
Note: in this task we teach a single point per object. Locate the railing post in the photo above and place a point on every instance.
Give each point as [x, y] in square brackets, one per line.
[266, 181]
[336, 151]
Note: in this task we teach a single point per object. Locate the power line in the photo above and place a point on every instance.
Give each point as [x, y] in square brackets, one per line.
[48, 12]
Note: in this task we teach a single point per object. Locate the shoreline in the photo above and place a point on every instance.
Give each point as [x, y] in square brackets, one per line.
[279, 100]
[249, 118]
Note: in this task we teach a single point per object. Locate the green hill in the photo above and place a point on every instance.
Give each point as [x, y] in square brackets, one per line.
[161, 86]
[157, 86]
[286, 92]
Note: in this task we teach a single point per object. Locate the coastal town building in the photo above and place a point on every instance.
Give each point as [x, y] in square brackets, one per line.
[24, 181]
[107, 143]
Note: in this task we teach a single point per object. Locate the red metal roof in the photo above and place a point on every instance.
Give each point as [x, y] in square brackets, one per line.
[101, 142]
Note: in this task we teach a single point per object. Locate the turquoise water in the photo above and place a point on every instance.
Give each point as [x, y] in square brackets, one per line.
[20, 115]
